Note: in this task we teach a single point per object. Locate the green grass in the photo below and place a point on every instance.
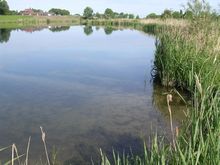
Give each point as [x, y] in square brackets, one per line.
[19, 21]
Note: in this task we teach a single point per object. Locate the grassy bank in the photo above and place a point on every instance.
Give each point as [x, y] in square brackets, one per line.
[187, 57]
[18, 21]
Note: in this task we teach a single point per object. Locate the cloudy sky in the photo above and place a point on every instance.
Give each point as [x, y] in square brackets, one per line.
[140, 7]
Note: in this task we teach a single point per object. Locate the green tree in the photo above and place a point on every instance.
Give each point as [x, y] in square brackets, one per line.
[167, 14]
[137, 17]
[98, 15]
[13, 12]
[131, 16]
[176, 15]
[88, 12]
[4, 8]
[109, 13]
[121, 15]
[58, 11]
[188, 14]
[116, 15]
[152, 15]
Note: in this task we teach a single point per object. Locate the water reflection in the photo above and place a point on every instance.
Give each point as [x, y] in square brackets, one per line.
[5, 35]
[88, 30]
[108, 30]
[32, 29]
[59, 28]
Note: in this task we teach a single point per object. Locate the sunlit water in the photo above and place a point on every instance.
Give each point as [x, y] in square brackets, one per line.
[87, 87]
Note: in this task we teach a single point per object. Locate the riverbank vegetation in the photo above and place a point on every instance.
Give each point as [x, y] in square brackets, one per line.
[18, 21]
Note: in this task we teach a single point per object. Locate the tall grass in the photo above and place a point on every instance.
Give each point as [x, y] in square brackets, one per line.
[187, 57]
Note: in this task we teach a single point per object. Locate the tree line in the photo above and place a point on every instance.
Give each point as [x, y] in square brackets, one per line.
[110, 14]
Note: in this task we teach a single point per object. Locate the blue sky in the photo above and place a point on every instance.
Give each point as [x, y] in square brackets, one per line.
[140, 7]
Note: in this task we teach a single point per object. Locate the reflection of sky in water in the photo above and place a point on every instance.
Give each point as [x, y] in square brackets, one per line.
[86, 91]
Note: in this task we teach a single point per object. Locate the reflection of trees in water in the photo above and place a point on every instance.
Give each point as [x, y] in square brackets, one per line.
[5, 35]
[88, 30]
[97, 28]
[32, 29]
[59, 28]
[108, 30]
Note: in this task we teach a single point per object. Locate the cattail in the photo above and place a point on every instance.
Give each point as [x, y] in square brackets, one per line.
[177, 131]
[45, 146]
[27, 152]
[43, 134]
[198, 84]
[170, 99]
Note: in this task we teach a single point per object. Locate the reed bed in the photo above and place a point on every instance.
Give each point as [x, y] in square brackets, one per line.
[187, 57]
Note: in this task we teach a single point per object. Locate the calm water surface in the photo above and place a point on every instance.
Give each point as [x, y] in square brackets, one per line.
[89, 89]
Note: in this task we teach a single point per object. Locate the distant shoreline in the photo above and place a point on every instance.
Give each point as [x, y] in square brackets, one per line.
[19, 21]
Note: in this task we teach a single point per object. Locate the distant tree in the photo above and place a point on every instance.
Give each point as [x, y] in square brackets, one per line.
[98, 15]
[121, 15]
[167, 14]
[13, 12]
[152, 15]
[4, 8]
[137, 17]
[109, 13]
[131, 16]
[57, 11]
[188, 14]
[88, 12]
[88, 30]
[116, 15]
[176, 15]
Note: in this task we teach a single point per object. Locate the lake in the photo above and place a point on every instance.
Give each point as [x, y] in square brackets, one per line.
[88, 87]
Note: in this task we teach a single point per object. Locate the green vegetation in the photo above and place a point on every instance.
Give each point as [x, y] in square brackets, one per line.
[59, 11]
[109, 13]
[18, 21]
[88, 13]
[4, 35]
[4, 8]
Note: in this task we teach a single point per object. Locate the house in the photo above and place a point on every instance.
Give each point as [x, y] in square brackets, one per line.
[27, 12]
[34, 12]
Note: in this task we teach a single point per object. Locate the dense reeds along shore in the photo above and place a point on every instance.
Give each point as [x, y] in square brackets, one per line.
[187, 57]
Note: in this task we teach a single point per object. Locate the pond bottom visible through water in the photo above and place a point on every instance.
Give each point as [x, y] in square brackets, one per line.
[89, 88]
